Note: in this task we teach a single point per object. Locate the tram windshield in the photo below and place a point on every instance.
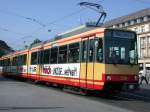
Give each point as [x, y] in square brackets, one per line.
[120, 47]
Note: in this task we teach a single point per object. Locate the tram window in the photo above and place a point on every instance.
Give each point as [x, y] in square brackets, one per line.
[53, 56]
[8, 62]
[114, 52]
[3, 62]
[0, 62]
[46, 56]
[122, 53]
[19, 60]
[23, 59]
[34, 59]
[84, 51]
[39, 57]
[133, 53]
[14, 63]
[62, 57]
[99, 49]
[73, 56]
[91, 50]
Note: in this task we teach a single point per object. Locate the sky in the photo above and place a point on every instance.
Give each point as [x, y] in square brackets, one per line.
[21, 21]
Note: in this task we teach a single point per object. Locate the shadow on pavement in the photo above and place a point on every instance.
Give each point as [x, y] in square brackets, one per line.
[28, 108]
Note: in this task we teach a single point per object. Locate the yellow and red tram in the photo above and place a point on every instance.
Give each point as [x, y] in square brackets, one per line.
[91, 58]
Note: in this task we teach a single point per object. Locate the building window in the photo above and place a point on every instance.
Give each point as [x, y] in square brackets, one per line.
[138, 20]
[139, 30]
[149, 46]
[114, 26]
[143, 42]
[132, 22]
[126, 23]
[144, 52]
[135, 29]
[148, 40]
[145, 18]
[142, 29]
[120, 25]
[135, 21]
[149, 52]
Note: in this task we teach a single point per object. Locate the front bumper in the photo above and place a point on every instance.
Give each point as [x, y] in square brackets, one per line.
[121, 78]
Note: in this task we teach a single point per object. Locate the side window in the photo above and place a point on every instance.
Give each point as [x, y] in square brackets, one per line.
[14, 63]
[62, 54]
[34, 59]
[53, 56]
[9, 62]
[19, 60]
[46, 56]
[73, 53]
[24, 58]
[91, 50]
[39, 56]
[2, 63]
[99, 49]
[84, 51]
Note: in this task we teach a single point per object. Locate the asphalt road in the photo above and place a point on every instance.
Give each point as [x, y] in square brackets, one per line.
[17, 96]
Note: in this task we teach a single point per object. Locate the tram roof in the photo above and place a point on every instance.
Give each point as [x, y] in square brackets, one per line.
[78, 30]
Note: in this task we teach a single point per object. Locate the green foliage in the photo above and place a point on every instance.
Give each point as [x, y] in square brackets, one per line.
[36, 41]
[2, 53]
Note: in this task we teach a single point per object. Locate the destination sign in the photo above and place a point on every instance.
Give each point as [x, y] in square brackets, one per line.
[122, 34]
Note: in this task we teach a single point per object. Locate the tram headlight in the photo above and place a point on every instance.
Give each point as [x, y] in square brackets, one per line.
[108, 77]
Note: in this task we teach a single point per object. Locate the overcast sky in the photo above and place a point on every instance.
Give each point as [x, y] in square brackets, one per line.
[21, 21]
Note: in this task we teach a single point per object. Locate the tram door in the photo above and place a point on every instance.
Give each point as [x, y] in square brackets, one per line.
[87, 65]
[39, 65]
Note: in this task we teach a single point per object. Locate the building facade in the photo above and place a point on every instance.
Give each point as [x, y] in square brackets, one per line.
[140, 23]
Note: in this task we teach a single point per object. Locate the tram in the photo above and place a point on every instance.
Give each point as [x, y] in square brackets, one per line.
[90, 58]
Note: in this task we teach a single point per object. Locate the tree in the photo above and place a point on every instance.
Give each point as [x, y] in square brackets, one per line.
[2, 53]
[36, 41]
